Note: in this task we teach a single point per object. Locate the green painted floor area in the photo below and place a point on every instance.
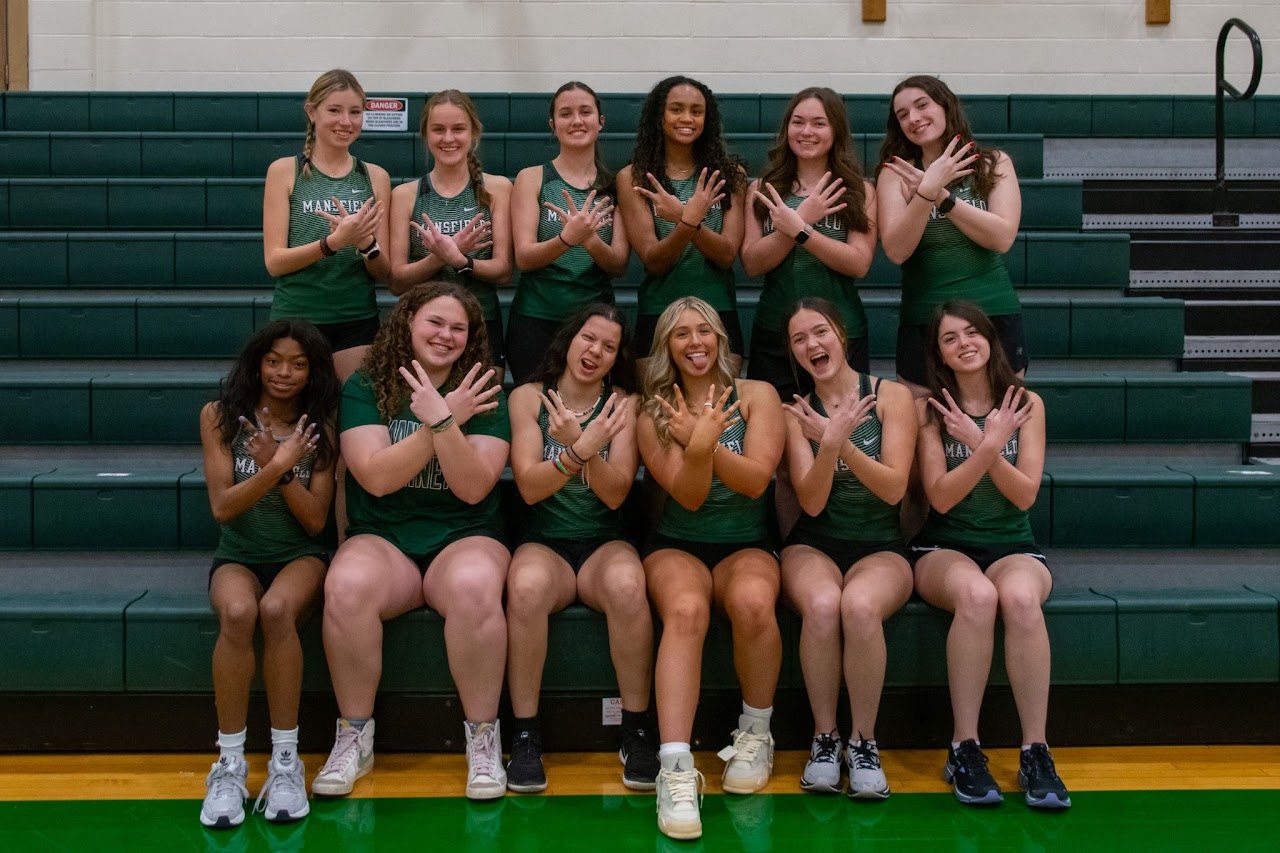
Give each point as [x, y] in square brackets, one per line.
[1214, 821]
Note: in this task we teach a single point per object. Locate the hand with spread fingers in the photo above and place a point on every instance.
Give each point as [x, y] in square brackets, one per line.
[613, 418]
[453, 250]
[682, 420]
[958, 424]
[709, 191]
[1008, 417]
[665, 205]
[301, 441]
[579, 224]
[353, 229]
[956, 162]
[562, 424]
[712, 420]
[473, 396]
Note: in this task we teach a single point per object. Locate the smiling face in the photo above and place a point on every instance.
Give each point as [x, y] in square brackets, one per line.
[809, 132]
[284, 370]
[575, 120]
[684, 116]
[815, 343]
[960, 346]
[439, 332]
[338, 118]
[449, 134]
[693, 346]
[593, 350]
[922, 119]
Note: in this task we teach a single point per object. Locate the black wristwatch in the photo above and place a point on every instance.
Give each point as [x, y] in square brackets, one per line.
[804, 234]
[370, 252]
[944, 206]
[287, 477]
[468, 268]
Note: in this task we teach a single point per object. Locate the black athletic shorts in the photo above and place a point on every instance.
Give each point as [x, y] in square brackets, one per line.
[497, 351]
[527, 341]
[771, 362]
[575, 552]
[983, 555]
[646, 323]
[424, 561]
[710, 553]
[912, 345]
[354, 333]
[264, 572]
[844, 553]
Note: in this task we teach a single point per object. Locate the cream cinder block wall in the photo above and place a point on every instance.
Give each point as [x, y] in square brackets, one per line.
[1034, 46]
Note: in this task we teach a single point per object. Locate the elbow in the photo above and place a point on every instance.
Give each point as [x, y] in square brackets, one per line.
[1004, 243]
[894, 255]
[614, 501]
[274, 269]
[756, 491]
[811, 508]
[895, 496]
[314, 527]
[1025, 503]
[527, 494]
[221, 515]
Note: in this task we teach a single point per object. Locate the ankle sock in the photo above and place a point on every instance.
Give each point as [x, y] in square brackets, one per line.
[231, 746]
[284, 744]
[357, 723]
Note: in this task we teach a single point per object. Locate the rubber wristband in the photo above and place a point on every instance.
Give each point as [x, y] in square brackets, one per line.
[697, 227]
[325, 249]
[926, 198]
[287, 477]
[443, 424]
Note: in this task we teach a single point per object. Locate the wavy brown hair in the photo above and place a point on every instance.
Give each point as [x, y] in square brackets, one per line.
[1000, 373]
[661, 374]
[604, 178]
[842, 162]
[556, 361]
[336, 80]
[474, 167]
[896, 143]
[393, 346]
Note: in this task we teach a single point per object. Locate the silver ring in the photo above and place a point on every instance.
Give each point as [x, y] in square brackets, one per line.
[707, 405]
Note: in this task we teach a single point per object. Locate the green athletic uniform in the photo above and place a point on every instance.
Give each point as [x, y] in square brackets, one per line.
[268, 531]
[949, 265]
[726, 515]
[853, 512]
[573, 280]
[801, 274]
[693, 274]
[985, 516]
[574, 512]
[336, 289]
[424, 515]
[451, 215]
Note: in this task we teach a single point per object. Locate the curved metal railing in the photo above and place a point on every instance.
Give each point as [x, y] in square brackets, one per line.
[1221, 216]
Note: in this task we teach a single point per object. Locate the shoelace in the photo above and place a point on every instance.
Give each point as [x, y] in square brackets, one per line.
[286, 780]
[827, 749]
[685, 786]
[973, 763]
[864, 756]
[480, 752]
[747, 744]
[224, 782]
[345, 750]
[1039, 764]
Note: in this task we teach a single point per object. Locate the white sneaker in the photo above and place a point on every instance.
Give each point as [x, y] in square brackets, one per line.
[680, 788]
[866, 778]
[351, 758]
[822, 770]
[486, 777]
[225, 793]
[750, 758]
[285, 792]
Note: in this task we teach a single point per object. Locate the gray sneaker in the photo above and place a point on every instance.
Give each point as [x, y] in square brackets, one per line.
[822, 770]
[866, 778]
[351, 758]
[486, 777]
[285, 793]
[225, 793]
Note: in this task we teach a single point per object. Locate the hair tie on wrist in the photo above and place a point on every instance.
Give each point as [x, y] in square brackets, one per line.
[563, 240]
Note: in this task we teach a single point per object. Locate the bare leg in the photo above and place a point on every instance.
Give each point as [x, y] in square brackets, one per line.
[812, 585]
[746, 586]
[680, 587]
[1023, 584]
[234, 592]
[612, 581]
[539, 583]
[287, 603]
[874, 589]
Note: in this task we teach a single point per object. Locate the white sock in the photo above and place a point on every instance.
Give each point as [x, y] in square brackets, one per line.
[231, 747]
[673, 748]
[764, 715]
[284, 744]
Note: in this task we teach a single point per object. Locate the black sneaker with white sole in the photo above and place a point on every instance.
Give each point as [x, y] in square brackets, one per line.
[1038, 779]
[967, 772]
[639, 758]
[525, 774]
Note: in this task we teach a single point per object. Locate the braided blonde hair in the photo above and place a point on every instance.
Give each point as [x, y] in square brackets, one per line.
[475, 170]
[335, 80]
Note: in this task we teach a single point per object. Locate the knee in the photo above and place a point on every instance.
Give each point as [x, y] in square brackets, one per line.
[688, 616]
[348, 592]
[860, 615]
[753, 610]
[474, 598]
[626, 595]
[277, 615]
[977, 602]
[237, 620]
[821, 613]
[1020, 609]
[527, 595]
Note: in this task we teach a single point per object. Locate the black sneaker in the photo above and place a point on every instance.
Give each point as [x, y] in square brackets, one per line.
[524, 771]
[640, 764]
[1039, 779]
[967, 772]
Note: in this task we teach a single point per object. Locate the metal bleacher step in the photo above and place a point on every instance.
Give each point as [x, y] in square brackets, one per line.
[1168, 159]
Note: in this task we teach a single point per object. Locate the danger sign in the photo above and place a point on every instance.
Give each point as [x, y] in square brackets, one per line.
[386, 113]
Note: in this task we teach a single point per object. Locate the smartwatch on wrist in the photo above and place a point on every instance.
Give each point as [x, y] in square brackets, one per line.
[803, 237]
[468, 268]
[371, 251]
[944, 206]
[287, 477]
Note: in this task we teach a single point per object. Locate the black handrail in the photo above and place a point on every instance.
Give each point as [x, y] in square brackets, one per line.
[1221, 215]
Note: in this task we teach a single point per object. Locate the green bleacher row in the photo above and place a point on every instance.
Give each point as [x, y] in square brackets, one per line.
[204, 259]
[162, 504]
[161, 642]
[95, 324]
[247, 155]
[1055, 115]
[234, 203]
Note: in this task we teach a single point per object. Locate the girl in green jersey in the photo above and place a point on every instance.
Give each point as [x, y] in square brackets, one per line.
[568, 244]
[268, 462]
[850, 444]
[981, 455]
[454, 223]
[949, 210]
[811, 232]
[324, 224]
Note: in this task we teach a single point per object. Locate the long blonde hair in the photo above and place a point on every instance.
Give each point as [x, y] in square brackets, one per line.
[335, 80]
[475, 169]
[661, 374]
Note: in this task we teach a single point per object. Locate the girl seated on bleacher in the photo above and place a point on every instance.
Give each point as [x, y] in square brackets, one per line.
[948, 211]
[269, 455]
[424, 434]
[981, 454]
[324, 224]
[573, 454]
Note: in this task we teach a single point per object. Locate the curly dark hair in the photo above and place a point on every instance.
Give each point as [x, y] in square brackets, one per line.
[318, 400]
[604, 178]
[650, 154]
[896, 142]
[842, 161]
[393, 346]
[621, 375]
[999, 372]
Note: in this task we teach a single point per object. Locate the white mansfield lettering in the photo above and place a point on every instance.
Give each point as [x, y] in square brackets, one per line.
[326, 205]
[958, 450]
[429, 477]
